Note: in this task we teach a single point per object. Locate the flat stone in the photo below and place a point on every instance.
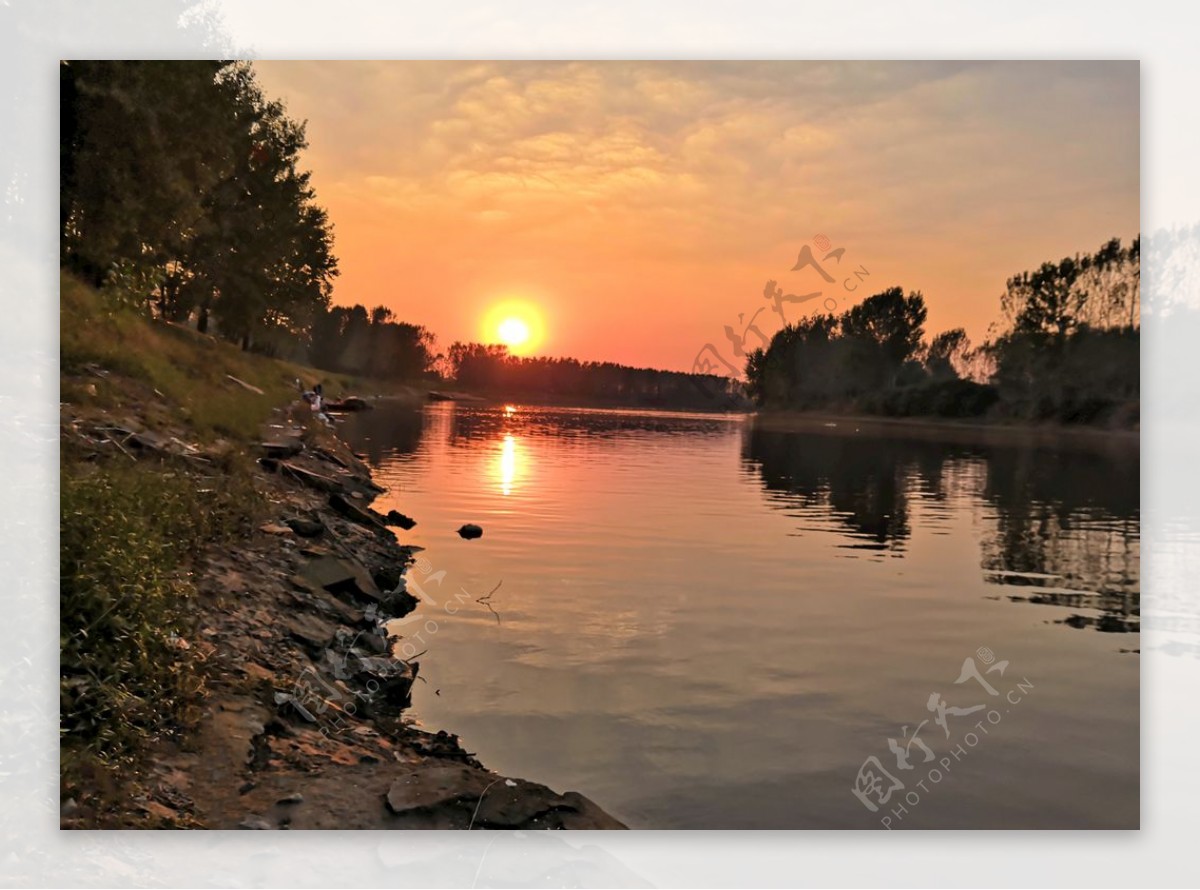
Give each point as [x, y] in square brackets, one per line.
[510, 806]
[309, 478]
[342, 577]
[314, 633]
[435, 786]
[339, 609]
[272, 528]
[355, 513]
[470, 531]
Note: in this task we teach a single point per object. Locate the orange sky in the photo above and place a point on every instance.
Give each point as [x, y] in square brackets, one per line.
[643, 205]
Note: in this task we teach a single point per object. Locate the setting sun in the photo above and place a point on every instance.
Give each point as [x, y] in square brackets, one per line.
[515, 323]
[513, 332]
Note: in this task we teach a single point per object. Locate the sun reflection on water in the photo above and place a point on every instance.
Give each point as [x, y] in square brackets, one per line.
[508, 464]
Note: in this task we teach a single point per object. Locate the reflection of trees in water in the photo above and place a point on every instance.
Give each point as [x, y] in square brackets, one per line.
[391, 429]
[1067, 533]
[864, 483]
[469, 424]
[1063, 528]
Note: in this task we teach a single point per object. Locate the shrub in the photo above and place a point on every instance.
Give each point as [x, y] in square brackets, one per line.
[127, 534]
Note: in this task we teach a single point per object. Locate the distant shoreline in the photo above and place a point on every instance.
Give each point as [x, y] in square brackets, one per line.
[1001, 432]
[818, 420]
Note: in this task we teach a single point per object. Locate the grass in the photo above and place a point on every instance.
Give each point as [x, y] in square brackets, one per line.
[188, 369]
[128, 532]
[131, 531]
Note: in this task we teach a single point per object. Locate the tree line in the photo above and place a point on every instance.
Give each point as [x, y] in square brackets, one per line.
[181, 192]
[489, 368]
[1067, 350]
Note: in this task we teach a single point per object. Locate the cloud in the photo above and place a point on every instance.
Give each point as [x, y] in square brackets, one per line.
[949, 176]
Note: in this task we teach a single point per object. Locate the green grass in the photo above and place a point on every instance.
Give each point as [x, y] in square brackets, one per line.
[128, 532]
[189, 369]
[132, 531]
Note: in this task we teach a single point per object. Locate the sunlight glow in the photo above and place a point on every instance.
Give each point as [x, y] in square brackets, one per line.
[513, 332]
[515, 323]
[508, 464]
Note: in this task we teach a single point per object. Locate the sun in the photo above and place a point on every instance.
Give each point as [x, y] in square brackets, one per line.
[513, 333]
[515, 323]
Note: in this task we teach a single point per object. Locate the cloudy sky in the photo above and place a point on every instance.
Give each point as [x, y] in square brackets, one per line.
[642, 206]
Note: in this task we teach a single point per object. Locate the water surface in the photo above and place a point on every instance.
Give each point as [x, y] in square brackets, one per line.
[699, 622]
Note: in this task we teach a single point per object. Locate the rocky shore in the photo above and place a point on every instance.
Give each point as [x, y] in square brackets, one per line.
[303, 722]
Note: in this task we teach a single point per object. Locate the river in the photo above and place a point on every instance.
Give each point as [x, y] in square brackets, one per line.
[701, 622]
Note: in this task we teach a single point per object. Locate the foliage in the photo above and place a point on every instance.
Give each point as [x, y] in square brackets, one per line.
[489, 368]
[951, 398]
[827, 359]
[1100, 290]
[127, 532]
[375, 345]
[947, 355]
[1068, 351]
[189, 369]
[181, 186]
[1071, 350]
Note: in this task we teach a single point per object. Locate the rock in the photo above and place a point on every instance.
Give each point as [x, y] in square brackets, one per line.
[393, 678]
[326, 602]
[389, 576]
[440, 744]
[519, 804]
[309, 478]
[350, 403]
[273, 528]
[400, 602]
[314, 633]
[255, 823]
[435, 786]
[296, 797]
[395, 517]
[376, 642]
[355, 513]
[341, 576]
[305, 528]
[287, 446]
[470, 531]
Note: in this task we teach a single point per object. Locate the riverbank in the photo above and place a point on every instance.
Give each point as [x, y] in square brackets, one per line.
[946, 430]
[224, 596]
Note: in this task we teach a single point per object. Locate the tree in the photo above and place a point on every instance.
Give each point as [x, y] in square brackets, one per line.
[181, 183]
[140, 148]
[947, 354]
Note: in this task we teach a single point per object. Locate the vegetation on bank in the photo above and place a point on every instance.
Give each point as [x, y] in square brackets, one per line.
[490, 369]
[191, 371]
[180, 187]
[1067, 351]
[132, 526]
[128, 531]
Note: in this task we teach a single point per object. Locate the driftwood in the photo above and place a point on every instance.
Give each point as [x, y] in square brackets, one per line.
[309, 478]
[244, 385]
